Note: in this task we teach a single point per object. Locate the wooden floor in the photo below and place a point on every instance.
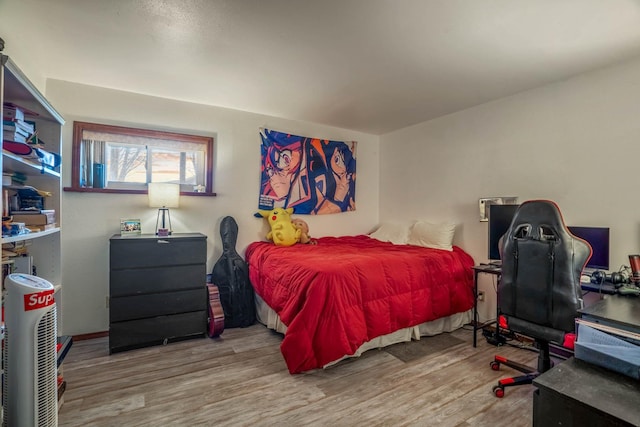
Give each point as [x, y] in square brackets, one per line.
[241, 380]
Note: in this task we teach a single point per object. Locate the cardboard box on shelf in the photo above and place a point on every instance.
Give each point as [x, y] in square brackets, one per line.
[46, 217]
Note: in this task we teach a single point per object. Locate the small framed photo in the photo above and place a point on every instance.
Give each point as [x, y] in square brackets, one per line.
[130, 227]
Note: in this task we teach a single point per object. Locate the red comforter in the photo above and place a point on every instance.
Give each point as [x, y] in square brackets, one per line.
[345, 291]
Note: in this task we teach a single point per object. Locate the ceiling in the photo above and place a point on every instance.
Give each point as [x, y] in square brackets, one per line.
[368, 65]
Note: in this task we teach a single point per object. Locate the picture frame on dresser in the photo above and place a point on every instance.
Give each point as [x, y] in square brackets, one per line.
[130, 227]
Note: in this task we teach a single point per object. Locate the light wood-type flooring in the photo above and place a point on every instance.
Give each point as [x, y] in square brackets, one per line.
[241, 379]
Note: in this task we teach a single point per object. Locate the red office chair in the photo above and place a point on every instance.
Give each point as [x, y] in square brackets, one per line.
[539, 294]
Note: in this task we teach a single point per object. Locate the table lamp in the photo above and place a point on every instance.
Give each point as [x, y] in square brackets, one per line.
[164, 195]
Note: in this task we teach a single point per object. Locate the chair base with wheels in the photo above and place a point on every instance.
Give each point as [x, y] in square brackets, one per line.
[545, 337]
[544, 364]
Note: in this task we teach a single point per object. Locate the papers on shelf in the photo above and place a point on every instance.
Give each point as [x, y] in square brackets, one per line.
[610, 347]
[628, 334]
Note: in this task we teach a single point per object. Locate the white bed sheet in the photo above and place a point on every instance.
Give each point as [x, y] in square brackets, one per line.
[268, 317]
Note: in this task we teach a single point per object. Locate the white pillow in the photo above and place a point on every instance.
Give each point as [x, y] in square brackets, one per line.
[437, 236]
[394, 232]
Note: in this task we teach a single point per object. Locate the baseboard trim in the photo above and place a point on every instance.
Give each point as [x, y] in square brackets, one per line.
[90, 336]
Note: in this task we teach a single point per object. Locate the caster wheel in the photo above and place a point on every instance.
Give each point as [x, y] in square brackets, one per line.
[498, 391]
[495, 366]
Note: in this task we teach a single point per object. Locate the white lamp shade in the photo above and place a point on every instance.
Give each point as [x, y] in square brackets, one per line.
[164, 195]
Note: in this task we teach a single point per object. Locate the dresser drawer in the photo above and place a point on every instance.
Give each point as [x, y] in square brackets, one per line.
[156, 330]
[140, 252]
[141, 281]
[150, 305]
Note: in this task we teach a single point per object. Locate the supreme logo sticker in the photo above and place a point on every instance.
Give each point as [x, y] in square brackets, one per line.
[38, 300]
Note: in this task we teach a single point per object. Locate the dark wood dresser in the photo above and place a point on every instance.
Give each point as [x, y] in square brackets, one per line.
[157, 288]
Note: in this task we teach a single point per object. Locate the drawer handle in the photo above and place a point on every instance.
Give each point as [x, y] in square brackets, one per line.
[163, 241]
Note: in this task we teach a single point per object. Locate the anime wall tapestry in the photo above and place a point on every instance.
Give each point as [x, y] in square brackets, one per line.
[312, 176]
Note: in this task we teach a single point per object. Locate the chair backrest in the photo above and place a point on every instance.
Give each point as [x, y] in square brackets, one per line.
[541, 267]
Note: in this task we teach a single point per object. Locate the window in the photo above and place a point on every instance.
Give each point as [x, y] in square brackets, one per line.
[123, 160]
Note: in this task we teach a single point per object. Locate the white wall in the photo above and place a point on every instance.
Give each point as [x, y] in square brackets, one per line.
[576, 142]
[88, 220]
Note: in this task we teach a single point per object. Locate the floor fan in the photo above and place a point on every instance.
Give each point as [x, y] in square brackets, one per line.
[29, 394]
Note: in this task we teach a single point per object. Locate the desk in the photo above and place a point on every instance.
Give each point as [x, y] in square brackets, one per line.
[579, 394]
[477, 269]
[616, 310]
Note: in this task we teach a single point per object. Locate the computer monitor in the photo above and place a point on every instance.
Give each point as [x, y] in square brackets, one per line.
[500, 217]
[598, 238]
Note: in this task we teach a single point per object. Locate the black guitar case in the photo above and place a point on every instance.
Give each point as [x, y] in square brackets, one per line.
[231, 275]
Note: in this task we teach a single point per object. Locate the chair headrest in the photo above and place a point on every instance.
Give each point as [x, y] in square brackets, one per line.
[538, 220]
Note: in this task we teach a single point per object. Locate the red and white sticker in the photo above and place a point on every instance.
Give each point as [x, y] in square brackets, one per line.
[38, 300]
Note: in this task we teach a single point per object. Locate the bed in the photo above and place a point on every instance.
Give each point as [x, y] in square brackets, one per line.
[344, 295]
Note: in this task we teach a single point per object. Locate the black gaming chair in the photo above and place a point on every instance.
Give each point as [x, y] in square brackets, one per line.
[539, 292]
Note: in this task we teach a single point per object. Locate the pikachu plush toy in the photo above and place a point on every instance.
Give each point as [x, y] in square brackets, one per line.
[283, 231]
